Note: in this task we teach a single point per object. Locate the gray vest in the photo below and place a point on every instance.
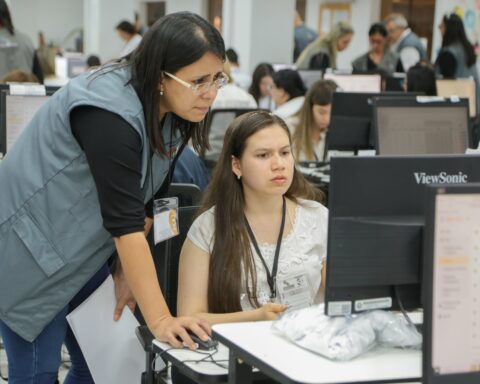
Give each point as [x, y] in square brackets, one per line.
[52, 240]
[412, 40]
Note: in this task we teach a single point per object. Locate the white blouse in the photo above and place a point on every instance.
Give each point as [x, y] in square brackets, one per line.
[303, 249]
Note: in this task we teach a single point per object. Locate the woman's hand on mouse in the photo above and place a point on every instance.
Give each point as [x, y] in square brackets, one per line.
[175, 329]
[271, 311]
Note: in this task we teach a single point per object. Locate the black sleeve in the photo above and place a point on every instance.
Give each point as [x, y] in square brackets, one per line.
[113, 151]
[37, 68]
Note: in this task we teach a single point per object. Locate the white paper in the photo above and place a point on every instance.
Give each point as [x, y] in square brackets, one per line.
[111, 348]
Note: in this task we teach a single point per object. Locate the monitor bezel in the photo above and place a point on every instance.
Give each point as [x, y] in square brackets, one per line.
[4, 92]
[402, 102]
[431, 193]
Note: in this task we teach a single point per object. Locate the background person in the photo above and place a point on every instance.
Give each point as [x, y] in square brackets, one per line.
[404, 41]
[129, 35]
[322, 53]
[379, 56]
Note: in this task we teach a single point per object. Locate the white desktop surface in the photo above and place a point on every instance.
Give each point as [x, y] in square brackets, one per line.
[304, 366]
[203, 367]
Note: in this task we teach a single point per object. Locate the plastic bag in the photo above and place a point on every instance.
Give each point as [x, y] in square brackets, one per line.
[343, 338]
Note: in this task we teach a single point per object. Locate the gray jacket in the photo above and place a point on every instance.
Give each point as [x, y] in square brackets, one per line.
[52, 239]
[412, 40]
[388, 63]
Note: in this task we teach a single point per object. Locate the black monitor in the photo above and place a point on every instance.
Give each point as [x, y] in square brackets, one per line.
[16, 111]
[351, 118]
[451, 347]
[420, 126]
[376, 207]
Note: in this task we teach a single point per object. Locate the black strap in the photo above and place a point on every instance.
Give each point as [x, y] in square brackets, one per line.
[271, 277]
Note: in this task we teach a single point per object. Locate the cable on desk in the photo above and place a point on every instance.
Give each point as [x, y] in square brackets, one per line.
[209, 358]
[402, 309]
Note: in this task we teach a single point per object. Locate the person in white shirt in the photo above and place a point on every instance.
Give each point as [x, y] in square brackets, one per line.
[311, 123]
[288, 92]
[127, 33]
[259, 226]
[231, 96]
[404, 42]
[241, 79]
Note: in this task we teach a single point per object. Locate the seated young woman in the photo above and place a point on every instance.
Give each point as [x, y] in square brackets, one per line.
[310, 124]
[258, 246]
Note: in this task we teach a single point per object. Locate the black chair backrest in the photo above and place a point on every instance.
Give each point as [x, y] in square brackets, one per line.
[188, 194]
[166, 256]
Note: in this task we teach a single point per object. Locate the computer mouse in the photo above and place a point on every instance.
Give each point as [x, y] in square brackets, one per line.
[203, 345]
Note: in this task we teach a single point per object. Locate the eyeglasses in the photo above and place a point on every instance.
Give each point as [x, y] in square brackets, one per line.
[202, 88]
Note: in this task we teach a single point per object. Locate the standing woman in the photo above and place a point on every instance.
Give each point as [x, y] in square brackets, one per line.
[322, 53]
[379, 56]
[261, 86]
[16, 48]
[456, 58]
[74, 188]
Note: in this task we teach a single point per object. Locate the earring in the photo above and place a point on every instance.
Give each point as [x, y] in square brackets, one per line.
[239, 177]
[161, 92]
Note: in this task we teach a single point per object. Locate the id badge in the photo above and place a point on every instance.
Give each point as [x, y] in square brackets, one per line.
[165, 219]
[294, 290]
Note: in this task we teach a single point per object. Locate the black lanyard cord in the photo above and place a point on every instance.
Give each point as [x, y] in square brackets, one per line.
[271, 277]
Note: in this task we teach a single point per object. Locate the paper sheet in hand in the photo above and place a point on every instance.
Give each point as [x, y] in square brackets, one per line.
[111, 348]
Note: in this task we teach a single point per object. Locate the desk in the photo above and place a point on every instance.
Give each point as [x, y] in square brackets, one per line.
[255, 344]
[191, 365]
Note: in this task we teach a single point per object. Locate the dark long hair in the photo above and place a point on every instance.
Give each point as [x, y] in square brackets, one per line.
[231, 254]
[455, 33]
[261, 70]
[173, 42]
[5, 18]
[290, 81]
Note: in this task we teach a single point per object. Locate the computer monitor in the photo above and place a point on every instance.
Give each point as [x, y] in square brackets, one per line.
[351, 118]
[16, 111]
[451, 347]
[310, 76]
[415, 126]
[376, 208]
[464, 88]
[357, 83]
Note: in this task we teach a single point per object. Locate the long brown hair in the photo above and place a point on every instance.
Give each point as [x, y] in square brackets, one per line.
[231, 254]
[320, 93]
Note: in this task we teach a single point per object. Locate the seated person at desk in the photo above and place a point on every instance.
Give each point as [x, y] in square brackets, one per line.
[311, 123]
[379, 56]
[261, 86]
[288, 92]
[259, 226]
[421, 78]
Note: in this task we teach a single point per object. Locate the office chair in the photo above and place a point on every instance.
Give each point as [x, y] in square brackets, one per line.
[218, 121]
[189, 195]
[166, 257]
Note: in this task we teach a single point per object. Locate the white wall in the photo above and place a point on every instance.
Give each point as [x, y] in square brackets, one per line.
[55, 18]
[364, 13]
[101, 17]
[259, 30]
[196, 6]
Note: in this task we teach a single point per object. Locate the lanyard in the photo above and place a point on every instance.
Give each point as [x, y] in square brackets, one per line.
[271, 277]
